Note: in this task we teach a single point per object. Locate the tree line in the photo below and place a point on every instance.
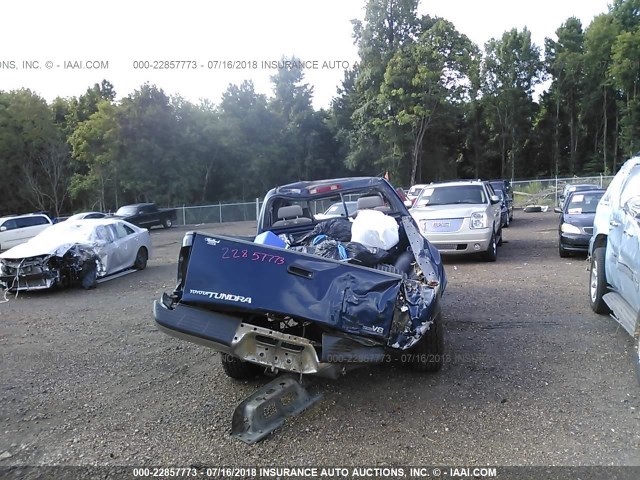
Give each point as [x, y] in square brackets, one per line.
[423, 103]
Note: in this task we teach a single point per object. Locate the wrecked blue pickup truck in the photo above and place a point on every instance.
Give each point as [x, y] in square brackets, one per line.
[313, 295]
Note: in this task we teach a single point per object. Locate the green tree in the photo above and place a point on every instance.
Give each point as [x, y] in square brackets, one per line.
[625, 74]
[421, 79]
[512, 68]
[388, 26]
[33, 154]
[565, 62]
[95, 147]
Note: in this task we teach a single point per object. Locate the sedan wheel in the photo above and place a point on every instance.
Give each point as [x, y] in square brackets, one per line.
[141, 259]
[167, 223]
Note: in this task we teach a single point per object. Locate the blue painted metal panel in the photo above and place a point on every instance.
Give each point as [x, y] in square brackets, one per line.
[237, 276]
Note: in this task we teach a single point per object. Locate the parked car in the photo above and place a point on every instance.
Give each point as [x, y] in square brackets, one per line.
[614, 281]
[87, 215]
[147, 215]
[575, 187]
[576, 221]
[414, 193]
[505, 221]
[313, 297]
[17, 229]
[338, 210]
[403, 196]
[460, 217]
[75, 252]
[505, 186]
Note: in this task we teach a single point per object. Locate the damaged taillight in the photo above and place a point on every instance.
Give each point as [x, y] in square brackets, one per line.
[183, 261]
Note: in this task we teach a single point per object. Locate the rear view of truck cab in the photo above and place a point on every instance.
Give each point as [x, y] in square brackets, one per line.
[313, 295]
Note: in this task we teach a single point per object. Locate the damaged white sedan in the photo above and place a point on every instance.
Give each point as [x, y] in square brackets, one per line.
[75, 253]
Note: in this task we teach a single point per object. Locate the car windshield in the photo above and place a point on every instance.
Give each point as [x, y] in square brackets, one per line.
[583, 202]
[127, 210]
[452, 195]
[581, 188]
[67, 232]
[415, 191]
[500, 194]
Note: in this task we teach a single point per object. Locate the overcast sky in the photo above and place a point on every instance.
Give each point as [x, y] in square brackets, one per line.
[207, 33]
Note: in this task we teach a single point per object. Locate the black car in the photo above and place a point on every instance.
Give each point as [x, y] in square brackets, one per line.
[571, 188]
[505, 186]
[504, 209]
[576, 221]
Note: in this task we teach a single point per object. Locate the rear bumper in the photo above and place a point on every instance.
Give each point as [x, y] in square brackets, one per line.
[229, 334]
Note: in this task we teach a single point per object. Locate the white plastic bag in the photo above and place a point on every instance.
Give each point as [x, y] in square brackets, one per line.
[375, 229]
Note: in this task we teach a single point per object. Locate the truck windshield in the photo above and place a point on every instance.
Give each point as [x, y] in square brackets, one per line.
[127, 210]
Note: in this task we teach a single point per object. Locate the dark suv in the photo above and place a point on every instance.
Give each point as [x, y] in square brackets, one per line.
[505, 186]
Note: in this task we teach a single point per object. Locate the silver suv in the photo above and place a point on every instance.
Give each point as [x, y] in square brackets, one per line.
[614, 281]
[460, 217]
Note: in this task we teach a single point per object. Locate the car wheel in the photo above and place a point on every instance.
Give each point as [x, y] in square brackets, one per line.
[506, 224]
[491, 254]
[500, 237]
[89, 275]
[598, 281]
[239, 369]
[141, 259]
[428, 354]
[562, 252]
[167, 223]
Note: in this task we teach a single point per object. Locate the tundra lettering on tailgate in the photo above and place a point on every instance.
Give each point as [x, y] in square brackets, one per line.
[221, 296]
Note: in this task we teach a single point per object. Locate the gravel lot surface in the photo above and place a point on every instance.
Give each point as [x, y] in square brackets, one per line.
[533, 377]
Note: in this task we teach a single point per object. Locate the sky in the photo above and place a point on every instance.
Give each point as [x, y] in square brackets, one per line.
[60, 48]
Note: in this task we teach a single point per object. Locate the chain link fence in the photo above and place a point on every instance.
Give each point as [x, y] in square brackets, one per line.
[218, 213]
[548, 191]
[525, 192]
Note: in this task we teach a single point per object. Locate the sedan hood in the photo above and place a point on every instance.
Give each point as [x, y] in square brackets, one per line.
[29, 249]
[580, 220]
[446, 211]
[56, 240]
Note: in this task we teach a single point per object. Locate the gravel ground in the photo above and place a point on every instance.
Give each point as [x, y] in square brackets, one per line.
[533, 377]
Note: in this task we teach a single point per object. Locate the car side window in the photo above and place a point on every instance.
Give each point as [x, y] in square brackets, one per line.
[631, 187]
[112, 233]
[612, 194]
[101, 233]
[31, 221]
[10, 224]
[121, 231]
[23, 222]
